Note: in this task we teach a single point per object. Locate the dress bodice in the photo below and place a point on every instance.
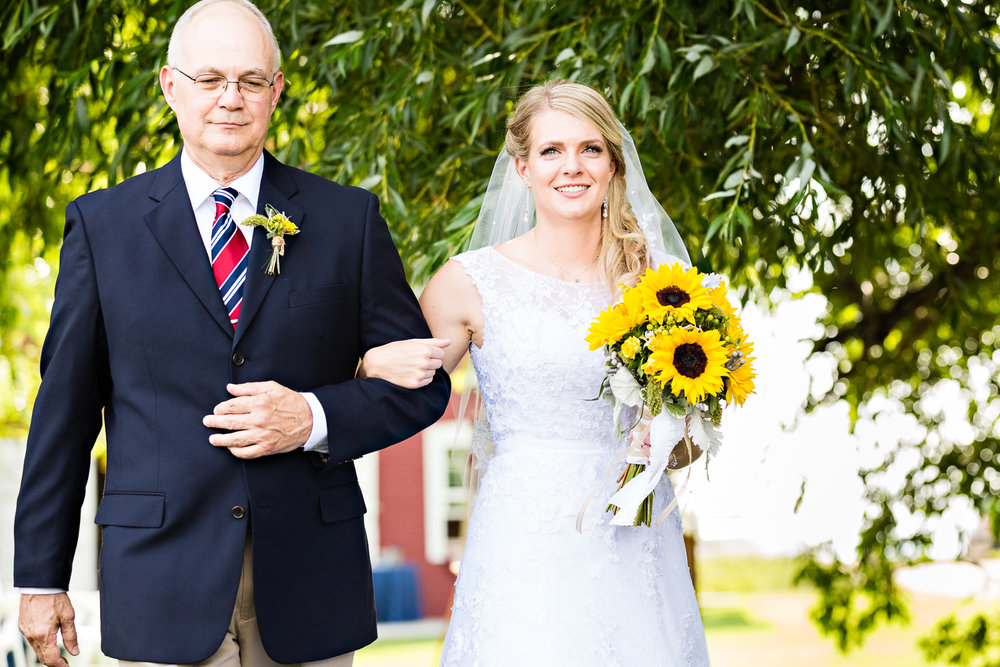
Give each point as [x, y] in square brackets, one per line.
[535, 369]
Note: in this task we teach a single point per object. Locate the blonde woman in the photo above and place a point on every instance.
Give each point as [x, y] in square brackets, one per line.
[566, 219]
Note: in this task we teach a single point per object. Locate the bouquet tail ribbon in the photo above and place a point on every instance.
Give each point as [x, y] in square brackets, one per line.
[665, 431]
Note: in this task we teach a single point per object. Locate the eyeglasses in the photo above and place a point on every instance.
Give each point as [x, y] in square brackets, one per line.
[251, 87]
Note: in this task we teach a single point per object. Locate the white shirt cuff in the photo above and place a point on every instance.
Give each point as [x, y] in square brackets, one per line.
[41, 591]
[317, 441]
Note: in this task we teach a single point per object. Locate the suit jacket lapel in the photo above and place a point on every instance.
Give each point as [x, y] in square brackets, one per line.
[276, 188]
[173, 224]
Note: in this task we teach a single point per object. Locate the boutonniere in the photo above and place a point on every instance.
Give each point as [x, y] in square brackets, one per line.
[277, 225]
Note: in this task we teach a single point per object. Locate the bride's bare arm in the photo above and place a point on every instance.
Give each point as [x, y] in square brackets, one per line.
[453, 310]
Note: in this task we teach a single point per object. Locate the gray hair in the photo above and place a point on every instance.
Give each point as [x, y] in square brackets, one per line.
[185, 20]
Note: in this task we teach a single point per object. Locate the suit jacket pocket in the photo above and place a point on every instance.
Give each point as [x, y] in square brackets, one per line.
[339, 503]
[135, 510]
[312, 295]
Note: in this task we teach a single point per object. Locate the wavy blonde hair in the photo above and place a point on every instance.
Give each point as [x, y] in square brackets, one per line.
[624, 253]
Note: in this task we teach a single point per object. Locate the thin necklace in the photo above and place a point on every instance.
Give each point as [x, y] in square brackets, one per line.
[575, 276]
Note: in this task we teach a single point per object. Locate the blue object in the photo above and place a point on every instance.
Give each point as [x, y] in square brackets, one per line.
[397, 595]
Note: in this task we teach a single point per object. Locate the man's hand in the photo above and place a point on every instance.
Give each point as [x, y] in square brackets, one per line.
[264, 417]
[42, 618]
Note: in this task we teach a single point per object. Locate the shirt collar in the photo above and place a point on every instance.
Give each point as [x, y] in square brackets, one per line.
[200, 185]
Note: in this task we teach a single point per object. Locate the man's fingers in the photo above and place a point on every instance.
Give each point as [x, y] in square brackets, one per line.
[250, 451]
[241, 438]
[440, 343]
[68, 629]
[50, 655]
[237, 422]
[234, 406]
[249, 388]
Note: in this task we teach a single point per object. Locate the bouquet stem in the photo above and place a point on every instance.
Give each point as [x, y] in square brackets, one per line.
[644, 515]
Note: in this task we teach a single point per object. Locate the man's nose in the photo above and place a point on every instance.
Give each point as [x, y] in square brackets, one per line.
[231, 98]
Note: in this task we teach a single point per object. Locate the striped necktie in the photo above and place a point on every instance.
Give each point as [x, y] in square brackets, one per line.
[229, 253]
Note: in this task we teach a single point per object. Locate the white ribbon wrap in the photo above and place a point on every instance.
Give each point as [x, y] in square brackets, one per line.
[665, 431]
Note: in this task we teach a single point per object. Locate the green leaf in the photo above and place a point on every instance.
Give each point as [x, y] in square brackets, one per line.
[942, 75]
[648, 62]
[886, 18]
[705, 65]
[82, 115]
[426, 9]
[348, 37]
[716, 225]
[719, 195]
[738, 140]
[734, 179]
[793, 39]
[675, 409]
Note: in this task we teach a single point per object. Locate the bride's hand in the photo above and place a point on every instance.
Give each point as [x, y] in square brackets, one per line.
[682, 455]
[407, 363]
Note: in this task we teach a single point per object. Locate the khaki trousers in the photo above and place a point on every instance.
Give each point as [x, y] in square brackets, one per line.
[242, 646]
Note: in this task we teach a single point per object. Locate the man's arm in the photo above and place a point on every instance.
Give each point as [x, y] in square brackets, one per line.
[65, 421]
[364, 415]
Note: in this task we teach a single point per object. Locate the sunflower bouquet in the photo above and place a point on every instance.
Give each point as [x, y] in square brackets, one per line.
[677, 355]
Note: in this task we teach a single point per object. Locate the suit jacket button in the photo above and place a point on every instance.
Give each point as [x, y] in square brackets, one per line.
[238, 359]
[238, 512]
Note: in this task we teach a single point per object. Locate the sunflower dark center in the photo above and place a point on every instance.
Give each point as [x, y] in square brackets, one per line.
[672, 296]
[690, 360]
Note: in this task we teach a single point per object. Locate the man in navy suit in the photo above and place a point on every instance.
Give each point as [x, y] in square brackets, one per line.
[232, 517]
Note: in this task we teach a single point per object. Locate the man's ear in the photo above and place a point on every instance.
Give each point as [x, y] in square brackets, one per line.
[279, 84]
[167, 83]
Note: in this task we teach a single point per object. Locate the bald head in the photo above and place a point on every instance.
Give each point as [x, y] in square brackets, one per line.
[177, 37]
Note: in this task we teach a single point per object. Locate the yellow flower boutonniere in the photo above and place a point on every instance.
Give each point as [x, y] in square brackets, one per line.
[277, 225]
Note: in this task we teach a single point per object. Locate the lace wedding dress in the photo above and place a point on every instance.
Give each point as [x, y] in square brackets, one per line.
[532, 590]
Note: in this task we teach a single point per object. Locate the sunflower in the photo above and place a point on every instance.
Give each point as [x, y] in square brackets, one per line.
[735, 331]
[740, 383]
[609, 327]
[670, 290]
[693, 361]
[719, 298]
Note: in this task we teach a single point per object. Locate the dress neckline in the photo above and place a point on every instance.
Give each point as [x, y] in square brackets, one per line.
[525, 269]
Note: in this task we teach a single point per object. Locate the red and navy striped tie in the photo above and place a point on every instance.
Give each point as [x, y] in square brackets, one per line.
[229, 253]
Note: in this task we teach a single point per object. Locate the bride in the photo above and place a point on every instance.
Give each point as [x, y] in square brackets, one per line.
[566, 220]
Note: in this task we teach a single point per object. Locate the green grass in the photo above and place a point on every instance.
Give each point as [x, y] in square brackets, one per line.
[745, 574]
[731, 619]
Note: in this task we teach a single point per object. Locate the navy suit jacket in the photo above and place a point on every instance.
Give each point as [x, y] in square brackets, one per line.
[139, 335]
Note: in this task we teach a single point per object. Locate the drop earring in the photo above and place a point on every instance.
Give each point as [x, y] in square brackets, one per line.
[604, 208]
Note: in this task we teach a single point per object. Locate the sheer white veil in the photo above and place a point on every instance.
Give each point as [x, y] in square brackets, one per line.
[502, 217]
